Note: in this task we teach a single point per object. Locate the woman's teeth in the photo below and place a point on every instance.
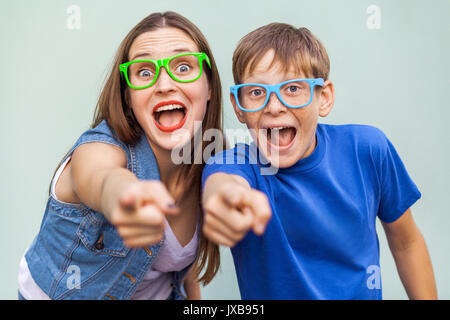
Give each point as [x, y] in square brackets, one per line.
[169, 107]
[170, 117]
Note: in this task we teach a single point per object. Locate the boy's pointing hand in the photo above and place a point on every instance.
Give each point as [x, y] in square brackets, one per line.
[232, 210]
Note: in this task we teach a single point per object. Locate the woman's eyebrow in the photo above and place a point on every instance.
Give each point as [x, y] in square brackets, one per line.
[181, 50]
[148, 54]
[140, 55]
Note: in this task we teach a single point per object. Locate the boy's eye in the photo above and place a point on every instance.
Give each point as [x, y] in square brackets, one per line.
[293, 88]
[256, 92]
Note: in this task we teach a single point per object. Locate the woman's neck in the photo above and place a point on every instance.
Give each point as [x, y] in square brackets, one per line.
[168, 171]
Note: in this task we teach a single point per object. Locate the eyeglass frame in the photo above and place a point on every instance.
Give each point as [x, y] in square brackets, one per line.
[165, 63]
[276, 88]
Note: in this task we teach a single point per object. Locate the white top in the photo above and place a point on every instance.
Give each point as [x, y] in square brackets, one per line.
[156, 285]
[171, 257]
[27, 287]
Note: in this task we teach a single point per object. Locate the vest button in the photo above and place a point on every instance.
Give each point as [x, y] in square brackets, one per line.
[99, 245]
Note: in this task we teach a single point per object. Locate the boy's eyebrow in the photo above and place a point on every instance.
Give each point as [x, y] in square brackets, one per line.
[148, 54]
[262, 78]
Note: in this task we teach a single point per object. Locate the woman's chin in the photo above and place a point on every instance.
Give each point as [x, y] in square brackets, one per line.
[177, 140]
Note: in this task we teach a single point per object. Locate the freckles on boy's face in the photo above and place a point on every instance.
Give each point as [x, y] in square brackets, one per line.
[284, 135]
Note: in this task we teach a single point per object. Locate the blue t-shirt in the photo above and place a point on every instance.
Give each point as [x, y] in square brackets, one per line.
[321, 242]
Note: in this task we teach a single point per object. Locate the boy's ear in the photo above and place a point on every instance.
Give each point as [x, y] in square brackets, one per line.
[239, 112]
[326, 98]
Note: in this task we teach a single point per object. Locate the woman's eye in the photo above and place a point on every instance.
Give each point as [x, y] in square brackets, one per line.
[145, 73]
[183, 68]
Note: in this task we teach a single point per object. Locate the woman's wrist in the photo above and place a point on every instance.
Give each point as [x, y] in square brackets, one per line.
[114, 183]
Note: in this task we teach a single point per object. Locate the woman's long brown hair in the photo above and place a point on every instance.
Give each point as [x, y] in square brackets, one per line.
[113, 107]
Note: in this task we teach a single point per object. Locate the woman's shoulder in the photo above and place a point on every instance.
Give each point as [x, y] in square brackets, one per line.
[102, 133]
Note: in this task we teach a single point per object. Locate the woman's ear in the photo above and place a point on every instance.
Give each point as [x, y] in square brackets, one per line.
[326, 98]
[239, 112]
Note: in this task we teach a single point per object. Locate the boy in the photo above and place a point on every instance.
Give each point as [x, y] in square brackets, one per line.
[330, 185]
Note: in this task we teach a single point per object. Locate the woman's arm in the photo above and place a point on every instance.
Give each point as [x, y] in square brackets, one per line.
[136, 207]
[411, 257]
[99, 174]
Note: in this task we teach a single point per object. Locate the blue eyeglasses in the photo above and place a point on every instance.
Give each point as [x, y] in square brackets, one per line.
[296, 93]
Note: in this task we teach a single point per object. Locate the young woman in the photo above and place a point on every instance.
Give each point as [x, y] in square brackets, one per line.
[123, 221]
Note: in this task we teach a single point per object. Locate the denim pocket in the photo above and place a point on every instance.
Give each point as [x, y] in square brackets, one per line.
[101, 237]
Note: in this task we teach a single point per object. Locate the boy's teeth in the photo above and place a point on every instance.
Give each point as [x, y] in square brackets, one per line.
[169, 107]
[281, 136]
[269, 130]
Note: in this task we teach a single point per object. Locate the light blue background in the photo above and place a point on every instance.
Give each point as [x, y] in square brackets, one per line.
[395, 78]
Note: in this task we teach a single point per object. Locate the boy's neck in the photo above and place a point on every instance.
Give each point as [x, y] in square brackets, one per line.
[312, 146]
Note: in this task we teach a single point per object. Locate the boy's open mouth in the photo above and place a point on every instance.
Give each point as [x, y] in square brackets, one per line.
[281, 137]
[169, 115]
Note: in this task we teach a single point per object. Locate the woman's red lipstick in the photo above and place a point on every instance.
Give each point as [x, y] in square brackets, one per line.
[174, 127]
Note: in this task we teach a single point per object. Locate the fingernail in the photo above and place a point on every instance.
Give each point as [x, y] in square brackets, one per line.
[172, 206]
[259, 228]
[129, 207]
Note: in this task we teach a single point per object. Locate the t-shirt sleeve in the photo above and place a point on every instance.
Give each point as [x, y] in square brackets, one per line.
[398, 191]
[233, 161]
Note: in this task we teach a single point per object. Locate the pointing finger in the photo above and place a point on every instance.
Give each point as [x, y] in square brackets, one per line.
[257, 202]
[157, 193]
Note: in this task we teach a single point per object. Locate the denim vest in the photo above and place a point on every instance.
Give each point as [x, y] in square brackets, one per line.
[78, 253]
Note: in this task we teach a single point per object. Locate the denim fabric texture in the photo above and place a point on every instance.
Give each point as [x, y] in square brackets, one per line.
[78, 253]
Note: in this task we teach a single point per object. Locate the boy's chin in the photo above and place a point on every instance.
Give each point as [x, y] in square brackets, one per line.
[282, 162]
[280, 159]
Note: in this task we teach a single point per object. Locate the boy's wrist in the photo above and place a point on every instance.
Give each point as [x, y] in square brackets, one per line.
[216, 180]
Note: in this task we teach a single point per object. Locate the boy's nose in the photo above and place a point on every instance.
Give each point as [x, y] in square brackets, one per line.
[274, 105]
[164, 83]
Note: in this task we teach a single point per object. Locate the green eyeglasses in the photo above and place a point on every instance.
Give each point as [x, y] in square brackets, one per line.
[184, 67]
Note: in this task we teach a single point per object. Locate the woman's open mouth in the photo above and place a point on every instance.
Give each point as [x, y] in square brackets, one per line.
[280, 137]
[169, 115]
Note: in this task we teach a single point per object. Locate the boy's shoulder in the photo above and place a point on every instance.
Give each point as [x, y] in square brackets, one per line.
[363, 131]
[240, 153]
[361, 135]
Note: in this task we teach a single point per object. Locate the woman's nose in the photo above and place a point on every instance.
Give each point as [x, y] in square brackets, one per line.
[164, 83]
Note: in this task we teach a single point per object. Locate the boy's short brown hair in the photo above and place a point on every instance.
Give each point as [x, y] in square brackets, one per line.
[297, 48]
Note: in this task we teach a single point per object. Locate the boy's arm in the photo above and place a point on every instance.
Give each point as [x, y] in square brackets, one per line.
[411, 257]
[232, 208]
